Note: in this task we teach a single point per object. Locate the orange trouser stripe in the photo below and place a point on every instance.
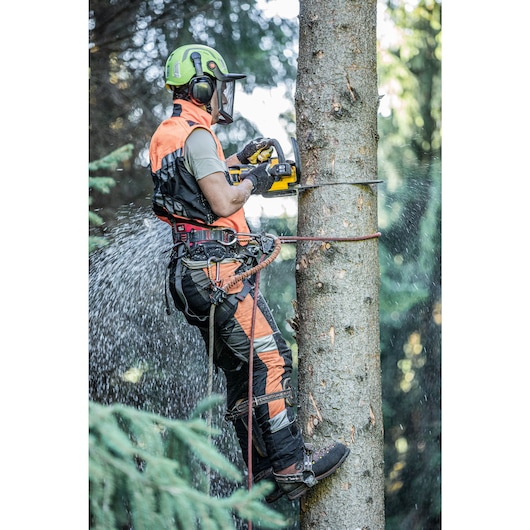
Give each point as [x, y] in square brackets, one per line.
[270, 357]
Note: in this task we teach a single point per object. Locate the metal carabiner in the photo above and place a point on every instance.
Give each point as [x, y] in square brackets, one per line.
[217, 261]
[234, 234]
[218, 294]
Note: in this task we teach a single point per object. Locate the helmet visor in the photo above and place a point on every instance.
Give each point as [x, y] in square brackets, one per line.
[225, 99]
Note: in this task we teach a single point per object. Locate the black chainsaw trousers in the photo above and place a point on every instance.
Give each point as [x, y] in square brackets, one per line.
[278, 442]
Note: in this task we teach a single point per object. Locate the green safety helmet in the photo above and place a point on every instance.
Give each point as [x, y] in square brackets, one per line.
[203, 70]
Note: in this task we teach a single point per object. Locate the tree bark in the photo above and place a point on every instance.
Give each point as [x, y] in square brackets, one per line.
[338, 282]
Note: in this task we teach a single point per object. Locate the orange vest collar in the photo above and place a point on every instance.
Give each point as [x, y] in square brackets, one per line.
[195, 113]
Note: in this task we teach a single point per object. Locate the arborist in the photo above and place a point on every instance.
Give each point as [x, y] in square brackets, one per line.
[212, 249]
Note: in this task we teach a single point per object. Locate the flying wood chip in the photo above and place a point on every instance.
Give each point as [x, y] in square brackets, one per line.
[372, 416]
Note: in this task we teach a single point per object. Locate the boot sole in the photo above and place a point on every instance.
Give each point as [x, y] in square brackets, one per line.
[298, 492]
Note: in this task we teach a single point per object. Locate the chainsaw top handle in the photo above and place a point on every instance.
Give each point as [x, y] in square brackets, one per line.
[278, 149]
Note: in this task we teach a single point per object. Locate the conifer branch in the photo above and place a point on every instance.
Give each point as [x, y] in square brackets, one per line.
[142, 471]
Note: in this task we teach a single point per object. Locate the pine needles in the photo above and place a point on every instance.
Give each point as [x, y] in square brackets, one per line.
[147, 472]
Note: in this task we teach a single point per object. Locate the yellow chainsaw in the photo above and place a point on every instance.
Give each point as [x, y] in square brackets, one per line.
[286, 172]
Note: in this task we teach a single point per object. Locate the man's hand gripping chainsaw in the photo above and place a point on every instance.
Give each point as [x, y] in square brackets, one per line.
[286, 172]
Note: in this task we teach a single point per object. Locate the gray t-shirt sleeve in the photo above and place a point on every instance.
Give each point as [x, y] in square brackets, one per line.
[200, 154]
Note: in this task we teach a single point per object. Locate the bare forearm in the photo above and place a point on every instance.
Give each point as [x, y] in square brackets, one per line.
[232, 160]
[224, 199]
[238, 197]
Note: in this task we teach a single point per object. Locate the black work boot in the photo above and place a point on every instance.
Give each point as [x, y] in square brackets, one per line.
[315, 466]
[277, 492]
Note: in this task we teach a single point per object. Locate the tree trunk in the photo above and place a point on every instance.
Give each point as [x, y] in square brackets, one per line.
[338, 282]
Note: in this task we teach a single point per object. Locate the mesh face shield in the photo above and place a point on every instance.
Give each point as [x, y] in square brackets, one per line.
[225, 100]
[225, 85]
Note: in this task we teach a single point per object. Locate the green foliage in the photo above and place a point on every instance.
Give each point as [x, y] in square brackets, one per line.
[142, 468]
[410, 219]
[104, 184]
[112, 161]
[101, 184]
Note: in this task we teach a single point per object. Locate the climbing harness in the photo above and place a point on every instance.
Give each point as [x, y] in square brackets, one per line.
[213, 245]
[269, 245]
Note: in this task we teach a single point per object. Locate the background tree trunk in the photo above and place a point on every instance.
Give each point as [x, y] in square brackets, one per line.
[338, 282]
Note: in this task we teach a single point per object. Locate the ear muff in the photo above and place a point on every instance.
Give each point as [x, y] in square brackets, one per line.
[201, 88]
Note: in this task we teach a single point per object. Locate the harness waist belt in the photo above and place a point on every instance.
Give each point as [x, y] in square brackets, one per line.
[224, 235]
[188, 233]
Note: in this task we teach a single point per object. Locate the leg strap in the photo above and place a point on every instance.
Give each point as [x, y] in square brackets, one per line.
[241, 408]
